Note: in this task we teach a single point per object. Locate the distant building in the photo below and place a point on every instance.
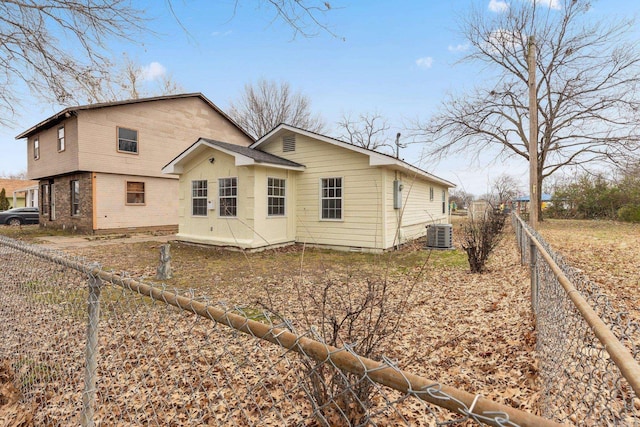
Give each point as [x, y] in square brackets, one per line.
[20, 192]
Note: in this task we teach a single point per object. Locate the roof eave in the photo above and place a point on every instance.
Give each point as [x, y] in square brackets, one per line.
[375, 158]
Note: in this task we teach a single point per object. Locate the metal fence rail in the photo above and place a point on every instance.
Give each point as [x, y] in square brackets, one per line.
[588, 351]
[152, 356]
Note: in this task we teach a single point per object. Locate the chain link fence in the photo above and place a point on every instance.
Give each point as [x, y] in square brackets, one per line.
[588, 351]
[83, 346]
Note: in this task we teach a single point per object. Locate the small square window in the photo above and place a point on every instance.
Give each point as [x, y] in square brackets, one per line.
[135, 193]
[127, 140]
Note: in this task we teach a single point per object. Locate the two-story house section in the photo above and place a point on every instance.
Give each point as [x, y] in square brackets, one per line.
[99, 166]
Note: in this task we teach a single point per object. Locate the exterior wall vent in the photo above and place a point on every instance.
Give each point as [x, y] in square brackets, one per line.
[288, 143]
[440, 236]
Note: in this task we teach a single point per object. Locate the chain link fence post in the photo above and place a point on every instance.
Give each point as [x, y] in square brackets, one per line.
[91, 356]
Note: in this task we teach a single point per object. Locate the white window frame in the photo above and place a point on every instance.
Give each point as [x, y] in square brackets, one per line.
[431, 194]
[271, 187]
[329, 198]
[74, 197]
[118, 139]
[36, 148]
[200, 193]
[223, 198]
[61, 141]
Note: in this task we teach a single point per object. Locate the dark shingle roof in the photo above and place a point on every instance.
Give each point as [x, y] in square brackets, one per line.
[258, 155]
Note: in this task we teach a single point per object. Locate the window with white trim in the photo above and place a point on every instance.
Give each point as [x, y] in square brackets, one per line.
[46, 198]
[75, 197]
[61, 138]
[199, 198]
[444, 201]
[331, 198]
[127, 140]
[36, 148]
[431, 194]
[275, 196]
[228, 197]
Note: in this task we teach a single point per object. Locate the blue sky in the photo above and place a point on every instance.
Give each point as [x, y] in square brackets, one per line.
[396, 58]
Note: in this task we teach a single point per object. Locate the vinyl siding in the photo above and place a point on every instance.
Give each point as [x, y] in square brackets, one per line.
[165, 129]
[111, 211]
[418, 210]
[213, 229]
[362, 222]
[52, 162]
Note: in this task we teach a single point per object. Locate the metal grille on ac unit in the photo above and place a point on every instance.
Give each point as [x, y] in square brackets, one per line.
[440, 236]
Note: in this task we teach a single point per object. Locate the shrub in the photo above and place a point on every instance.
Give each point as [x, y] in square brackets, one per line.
[629, 213]
[480, 236]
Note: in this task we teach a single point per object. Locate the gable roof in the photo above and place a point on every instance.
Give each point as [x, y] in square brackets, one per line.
[375, 158]
[68, 112]
[11, 185]
[244, 156]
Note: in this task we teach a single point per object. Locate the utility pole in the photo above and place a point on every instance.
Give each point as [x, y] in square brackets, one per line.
[533, 135]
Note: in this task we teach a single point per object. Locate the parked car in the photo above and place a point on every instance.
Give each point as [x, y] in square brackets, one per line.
[19, 216]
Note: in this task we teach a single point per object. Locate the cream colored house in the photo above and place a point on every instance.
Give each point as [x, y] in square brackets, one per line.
[298, 186]
[99, 166]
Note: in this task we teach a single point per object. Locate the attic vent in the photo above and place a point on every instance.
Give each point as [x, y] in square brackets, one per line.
[439, 236]
[288, 143]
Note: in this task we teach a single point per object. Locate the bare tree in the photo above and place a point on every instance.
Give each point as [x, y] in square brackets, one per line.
[267, 103]
[461, 198]
[306, 18]
[132, 80]
[53, 46]
[369, 130]
[505, 187]
[59, 49]
[17, 175]
[588, 100]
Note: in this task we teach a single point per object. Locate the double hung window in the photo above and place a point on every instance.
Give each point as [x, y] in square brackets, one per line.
[199, 198]
[331, 198]
[228, 197]
[275, 196]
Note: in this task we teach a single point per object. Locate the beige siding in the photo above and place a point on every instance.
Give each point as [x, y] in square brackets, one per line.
[53, 162]
[272, 230]
[165, 129]
[418, 209]
[111, 211]
[251, 228]
[362, 223]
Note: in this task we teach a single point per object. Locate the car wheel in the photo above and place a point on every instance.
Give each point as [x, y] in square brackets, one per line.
[14, 221]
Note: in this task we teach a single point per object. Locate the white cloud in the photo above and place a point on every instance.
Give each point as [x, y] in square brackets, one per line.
[500, 5]
[153, 71]
[458, 48]
[425, 62]
[551, 4]
[221, 34]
